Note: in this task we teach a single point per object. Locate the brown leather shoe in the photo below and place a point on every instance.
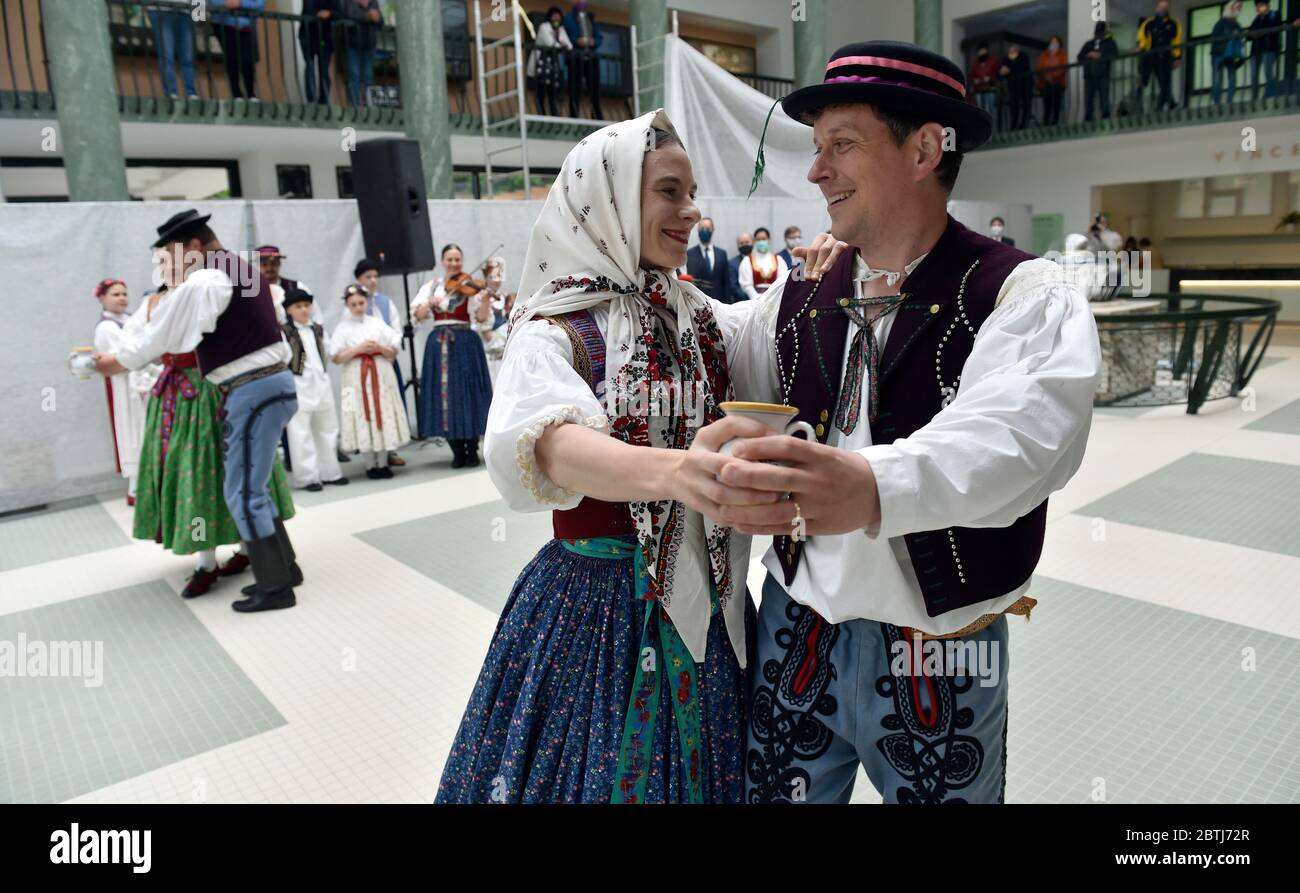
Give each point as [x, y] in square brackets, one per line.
[237, 564]
[200, 583]
[395, 460]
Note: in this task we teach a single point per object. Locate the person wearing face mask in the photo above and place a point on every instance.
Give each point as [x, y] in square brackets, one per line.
[1227, 52]
[997, 230]
[707, 264]
[1096, 56]
[1051, 79]
[1159, 40]
[793, 239]
[761, 268]
[744, 245]
[984, 80]
[1019, 86]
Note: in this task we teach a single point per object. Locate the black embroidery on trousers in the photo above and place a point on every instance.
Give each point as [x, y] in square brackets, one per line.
[783, 714]
[926, 746]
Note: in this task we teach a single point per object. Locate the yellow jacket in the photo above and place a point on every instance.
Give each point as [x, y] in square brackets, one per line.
[1168, 31]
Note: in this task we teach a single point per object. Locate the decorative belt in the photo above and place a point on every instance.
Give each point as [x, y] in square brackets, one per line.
[1021, 608]
[368, 368]
[252, 375]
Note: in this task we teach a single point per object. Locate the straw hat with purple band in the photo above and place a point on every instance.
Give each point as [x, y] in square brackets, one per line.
[900, 77]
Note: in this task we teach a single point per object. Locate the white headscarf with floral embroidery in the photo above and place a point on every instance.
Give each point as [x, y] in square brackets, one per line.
[585, 250]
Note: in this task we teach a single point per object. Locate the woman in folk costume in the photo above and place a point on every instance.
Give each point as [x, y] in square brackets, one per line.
[373, 417]
[127, 391]
[761, 268]
[617, 671]
[455, 384]
[179, 499]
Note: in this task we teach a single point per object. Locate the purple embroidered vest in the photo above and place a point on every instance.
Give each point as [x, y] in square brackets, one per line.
[247, 324]
[948, 297]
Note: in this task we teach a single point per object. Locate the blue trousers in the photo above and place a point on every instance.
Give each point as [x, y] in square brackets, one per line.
[925, 719]
[255, 416]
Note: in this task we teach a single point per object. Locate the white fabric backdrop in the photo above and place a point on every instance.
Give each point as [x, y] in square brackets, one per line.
[720, 118]
[55, 441]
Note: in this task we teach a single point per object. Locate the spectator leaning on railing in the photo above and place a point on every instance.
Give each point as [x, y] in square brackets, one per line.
[1227, 51]
[1159, 39]
[1264, 49]
[545, 61]
[238, 38]
[316, 37]
[584, 63]
[1095, 56]
[1051, 70]
[363, 18]
[173, 38]
[1019, 81]
[984, 80]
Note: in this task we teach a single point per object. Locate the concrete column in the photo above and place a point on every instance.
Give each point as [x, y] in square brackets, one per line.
[810, 43]
[423, 72]
[81, 76]
[929, 25]
[651, 20]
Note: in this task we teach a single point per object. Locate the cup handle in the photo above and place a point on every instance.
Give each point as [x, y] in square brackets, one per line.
[803, 426]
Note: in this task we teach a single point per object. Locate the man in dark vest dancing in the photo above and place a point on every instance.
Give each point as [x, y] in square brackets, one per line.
[221, 308]
[949, 379]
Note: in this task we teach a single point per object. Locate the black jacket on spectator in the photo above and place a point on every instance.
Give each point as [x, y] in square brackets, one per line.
[360, 34]
[1098, 68]
[715, 282]
[314, 32]
[1266, 43]
[733, 280]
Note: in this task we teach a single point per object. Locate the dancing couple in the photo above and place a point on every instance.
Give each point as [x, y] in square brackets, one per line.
[949, 381]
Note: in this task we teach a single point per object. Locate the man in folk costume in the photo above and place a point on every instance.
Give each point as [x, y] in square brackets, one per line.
[949, 378]
[221, 309]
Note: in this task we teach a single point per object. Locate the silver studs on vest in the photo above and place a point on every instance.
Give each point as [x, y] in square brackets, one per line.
[948, 392]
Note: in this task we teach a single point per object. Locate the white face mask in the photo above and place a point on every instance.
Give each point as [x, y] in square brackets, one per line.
[792, 244]
[996, 230]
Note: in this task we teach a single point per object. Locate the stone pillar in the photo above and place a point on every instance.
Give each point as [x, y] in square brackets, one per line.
[651, 20]
[81, 77]
[810, 53]
[423, 74]
[929, 24]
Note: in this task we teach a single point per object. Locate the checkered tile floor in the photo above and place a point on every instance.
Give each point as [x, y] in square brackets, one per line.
[1162, 663]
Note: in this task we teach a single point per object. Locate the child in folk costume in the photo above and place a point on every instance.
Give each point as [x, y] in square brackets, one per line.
[761, 268]
[313, 431]
[366, 272]
[618, 669]
[487, 313]
[179, 497]
[373, 417]
[455, 384]
[128, 392]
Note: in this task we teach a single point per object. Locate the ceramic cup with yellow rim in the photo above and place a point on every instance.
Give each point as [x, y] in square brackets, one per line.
[778, 418]
[81, 362]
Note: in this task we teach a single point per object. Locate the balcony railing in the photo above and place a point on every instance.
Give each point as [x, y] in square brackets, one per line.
[1141, 90]
[773, 88]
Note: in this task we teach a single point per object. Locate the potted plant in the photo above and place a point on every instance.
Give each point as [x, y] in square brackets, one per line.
[1288, 222]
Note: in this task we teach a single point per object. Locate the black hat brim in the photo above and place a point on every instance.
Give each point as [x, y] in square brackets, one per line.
[170, 234]
[972, 125]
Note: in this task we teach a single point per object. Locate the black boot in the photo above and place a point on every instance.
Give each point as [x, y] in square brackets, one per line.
[471, 453]
[457, 452]
[274, 588]
[290, 558]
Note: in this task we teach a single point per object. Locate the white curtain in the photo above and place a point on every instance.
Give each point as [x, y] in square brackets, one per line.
[720, 119]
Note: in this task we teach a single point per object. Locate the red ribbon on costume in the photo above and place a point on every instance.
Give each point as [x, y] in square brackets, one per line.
[112, 423]
[171, 382]
[368, 366]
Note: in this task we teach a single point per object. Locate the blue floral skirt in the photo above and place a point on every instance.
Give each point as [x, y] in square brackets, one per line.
[545, 722]
[455, 385]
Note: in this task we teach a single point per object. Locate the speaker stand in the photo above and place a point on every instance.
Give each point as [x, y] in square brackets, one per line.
[412, 380]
